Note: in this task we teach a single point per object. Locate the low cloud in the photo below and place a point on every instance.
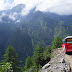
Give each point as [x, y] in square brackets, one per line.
[29, 5]
[2, 15]
[24, 12]
[17, 21]
[11, 16]
[61, 7]
[15, 13]
[2, 6]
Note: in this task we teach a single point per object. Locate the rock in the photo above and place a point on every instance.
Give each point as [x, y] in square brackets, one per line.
[62, 60]
[46, 66]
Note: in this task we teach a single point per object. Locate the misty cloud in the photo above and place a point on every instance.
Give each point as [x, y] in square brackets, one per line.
[2, 6]
[15, 13]
[24, 12]
[17, 21]
[56, 6]
[62, 7]
[11, 16]
[2, 15]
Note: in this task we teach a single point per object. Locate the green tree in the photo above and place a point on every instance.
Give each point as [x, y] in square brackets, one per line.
[28, 63]
[47, 52]
[57, 43]
[11, 56]
[38, 55]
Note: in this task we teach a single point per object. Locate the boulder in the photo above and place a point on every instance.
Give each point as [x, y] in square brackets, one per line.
[46, 66]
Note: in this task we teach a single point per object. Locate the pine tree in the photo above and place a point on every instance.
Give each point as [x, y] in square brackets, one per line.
[11, 56]
[57, 43]
[28, 63]
[38, 55]
[47, 52]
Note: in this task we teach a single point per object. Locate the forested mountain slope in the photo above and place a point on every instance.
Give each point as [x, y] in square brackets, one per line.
[24, 32]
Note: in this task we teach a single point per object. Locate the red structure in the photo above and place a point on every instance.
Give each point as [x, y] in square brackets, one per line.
[67, 44]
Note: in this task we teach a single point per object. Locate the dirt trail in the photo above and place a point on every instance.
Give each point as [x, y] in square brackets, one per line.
[61, 62]
[69, 58]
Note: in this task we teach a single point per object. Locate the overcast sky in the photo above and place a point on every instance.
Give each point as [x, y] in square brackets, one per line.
[62, 7]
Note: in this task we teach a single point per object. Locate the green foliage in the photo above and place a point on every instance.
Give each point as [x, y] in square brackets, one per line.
[22, 43]
[30, 69]
[57, 43]
[11, 56]
[36, 68]
[38, 55]
[6, 67]
[34, 64]
[28, 63]
[52, 55]
[62, 29]
[40, 58]
[47, 52]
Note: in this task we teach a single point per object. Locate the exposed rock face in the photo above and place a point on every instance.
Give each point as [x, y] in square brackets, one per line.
[57, 64]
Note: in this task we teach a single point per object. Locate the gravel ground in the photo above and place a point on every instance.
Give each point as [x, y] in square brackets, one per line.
[69, 59]
[59, 63]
